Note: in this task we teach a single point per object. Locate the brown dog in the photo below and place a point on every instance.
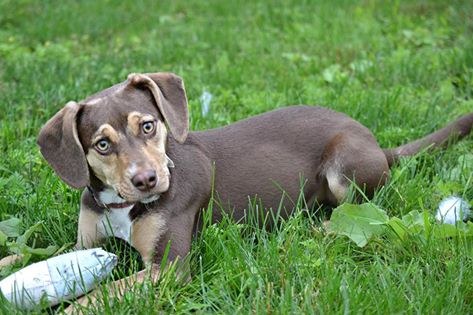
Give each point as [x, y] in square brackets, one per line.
[149, 187]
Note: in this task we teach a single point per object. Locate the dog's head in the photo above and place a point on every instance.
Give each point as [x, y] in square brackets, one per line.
[119, 135]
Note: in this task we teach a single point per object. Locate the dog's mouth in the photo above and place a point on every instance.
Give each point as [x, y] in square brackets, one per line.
[149, 199]
[112, 198]
[134, 187]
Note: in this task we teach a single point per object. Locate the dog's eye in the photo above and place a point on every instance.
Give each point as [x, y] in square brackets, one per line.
[103, 145]
[148, 127]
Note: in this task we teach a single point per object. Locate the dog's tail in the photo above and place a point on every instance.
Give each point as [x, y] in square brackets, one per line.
[438, 139]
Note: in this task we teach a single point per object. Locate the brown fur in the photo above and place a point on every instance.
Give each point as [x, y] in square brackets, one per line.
[87, 234]
[260, 157]
[141, 238]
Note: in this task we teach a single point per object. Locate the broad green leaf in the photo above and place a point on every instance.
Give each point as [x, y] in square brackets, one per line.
[16, 248]
[26, 257]
[415, 221]
[3, 238]
[43, 252]
[23, 239]
[11, 227]
[413, 218]
[358, 222]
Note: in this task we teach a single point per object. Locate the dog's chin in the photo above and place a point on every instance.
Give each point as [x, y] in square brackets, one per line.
[132, 195]
[143, 198]
[150, 199]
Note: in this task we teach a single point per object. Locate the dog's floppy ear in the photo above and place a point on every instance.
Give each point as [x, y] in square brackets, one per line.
[59, 143]
[170, 96]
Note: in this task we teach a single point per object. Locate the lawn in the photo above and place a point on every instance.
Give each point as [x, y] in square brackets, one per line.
[402, 68]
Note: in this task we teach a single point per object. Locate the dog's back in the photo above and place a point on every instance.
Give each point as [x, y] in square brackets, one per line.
[273, 155]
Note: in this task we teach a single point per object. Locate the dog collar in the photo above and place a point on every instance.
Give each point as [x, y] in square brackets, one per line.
[118, 205]
[108, 206]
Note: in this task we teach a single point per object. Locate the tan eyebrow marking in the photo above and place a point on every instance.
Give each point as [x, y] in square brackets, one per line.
[105, 131]
[135, 119]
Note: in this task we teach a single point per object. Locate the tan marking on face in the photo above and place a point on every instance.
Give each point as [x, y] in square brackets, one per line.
[161, 133]
[108, 168]
[118, 168]
[157, 144]
[87, 234]
[105, 167]
[106, 131]
[146, 232]
[155, 152]
[135, 119]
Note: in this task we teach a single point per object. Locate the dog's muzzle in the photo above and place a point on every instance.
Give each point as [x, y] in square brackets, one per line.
[145, 180]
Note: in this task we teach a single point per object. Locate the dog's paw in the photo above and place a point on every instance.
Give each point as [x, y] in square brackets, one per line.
[10, 260]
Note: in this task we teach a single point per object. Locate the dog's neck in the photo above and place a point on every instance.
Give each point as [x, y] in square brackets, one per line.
[108, 199]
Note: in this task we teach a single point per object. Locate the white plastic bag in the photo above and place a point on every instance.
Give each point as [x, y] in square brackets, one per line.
[59, 278]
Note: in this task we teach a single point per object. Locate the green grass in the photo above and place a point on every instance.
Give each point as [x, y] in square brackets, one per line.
[402, 68]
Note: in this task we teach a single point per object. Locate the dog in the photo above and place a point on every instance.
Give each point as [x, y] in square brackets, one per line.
[146, 178]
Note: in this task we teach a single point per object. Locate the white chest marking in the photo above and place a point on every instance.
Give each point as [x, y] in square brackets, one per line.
[116, 222]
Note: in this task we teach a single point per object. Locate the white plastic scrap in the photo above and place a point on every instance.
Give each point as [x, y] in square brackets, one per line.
[453, 209]
[59, 278]
[205, 100]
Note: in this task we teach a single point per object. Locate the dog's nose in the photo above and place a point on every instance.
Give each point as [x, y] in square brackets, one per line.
[145, 180]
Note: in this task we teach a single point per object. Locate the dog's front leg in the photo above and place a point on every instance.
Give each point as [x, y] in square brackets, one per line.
[88, 234]
[155, 235]
[145, 232]
[116, 289]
